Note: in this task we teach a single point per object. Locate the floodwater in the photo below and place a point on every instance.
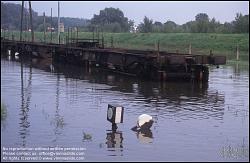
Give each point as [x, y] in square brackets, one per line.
[55, 105]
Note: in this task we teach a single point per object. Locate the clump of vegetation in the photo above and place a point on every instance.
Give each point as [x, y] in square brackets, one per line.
[3, 111]
[86, 137]
[60, 122]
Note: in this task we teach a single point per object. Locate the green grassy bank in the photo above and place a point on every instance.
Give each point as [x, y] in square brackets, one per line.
[202, 43]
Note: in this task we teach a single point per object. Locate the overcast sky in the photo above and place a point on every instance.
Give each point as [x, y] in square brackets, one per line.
[177, 11]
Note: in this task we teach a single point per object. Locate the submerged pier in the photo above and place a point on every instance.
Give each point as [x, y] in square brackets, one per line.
[148, 64]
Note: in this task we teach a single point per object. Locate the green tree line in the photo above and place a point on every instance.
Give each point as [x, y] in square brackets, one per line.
[202, 24]
[113, 20]
[11, 19]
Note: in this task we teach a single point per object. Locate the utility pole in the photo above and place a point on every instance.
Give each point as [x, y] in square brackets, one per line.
[51, 25]
[26, 21]
[44, 33]
[58, 35]
[21, 28]
[31, 24]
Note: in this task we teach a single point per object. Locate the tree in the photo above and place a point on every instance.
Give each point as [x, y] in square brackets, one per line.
[11, 18]
[112, 16]
[157, 27]
[170, 26]
[213, 25]
[131, 24]
[241, 23]
[146, 26]
[189, 27]
[224, 28]
[11, 15]
[112, 27]
[202, 21]
[158, 23]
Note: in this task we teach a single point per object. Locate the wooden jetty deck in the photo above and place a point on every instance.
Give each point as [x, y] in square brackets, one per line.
[153, 65]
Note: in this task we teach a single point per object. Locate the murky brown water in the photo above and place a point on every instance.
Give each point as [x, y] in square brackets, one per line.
[53, 105]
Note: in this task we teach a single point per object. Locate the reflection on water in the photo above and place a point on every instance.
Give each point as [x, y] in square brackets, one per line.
[3, 114]
[145, 136]
[235, 152]
[51, 104]
[24, 114]
[146, 91]
[170, 98]
[58, 120]
[114, 142]
[239, 68]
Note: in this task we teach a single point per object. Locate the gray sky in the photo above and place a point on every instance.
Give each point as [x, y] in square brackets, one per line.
[177, 11]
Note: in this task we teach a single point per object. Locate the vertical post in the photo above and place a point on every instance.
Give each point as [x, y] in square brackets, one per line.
[158, 46]
[112, 42]
[58, 34]
[44, 33]
[68, 36]
[102, 41]
[21, 28]
[155, 46]
[190, 49]
[98, 33]
[237, 52]
[51, 25]
[211, 53]
[13, 36]
[76, 34]
[158, 51]
[237, 67]
[93, 33]
[31, 22]
[71, 35]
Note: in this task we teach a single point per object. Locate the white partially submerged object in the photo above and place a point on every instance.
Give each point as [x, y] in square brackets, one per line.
[144, 122]
[144, 118]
